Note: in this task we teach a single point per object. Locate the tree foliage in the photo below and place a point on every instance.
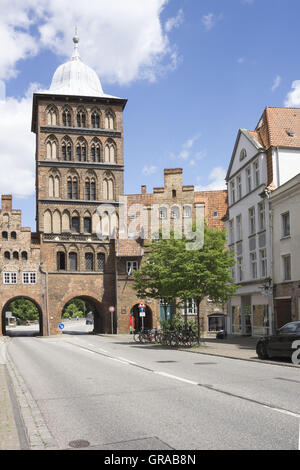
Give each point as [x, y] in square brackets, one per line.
[174, 272]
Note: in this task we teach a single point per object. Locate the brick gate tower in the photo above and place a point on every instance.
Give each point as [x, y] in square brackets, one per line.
[79, 178]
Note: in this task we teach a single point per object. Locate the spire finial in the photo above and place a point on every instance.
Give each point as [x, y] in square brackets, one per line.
[75, 41]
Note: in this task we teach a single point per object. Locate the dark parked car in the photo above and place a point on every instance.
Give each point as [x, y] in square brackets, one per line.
[280, 344]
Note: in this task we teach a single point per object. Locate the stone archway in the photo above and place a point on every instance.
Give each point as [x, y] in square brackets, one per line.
[100, 317]
[147, 321]
[6, 308]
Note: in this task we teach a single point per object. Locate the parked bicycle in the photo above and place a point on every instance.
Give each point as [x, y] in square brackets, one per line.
[145, 336]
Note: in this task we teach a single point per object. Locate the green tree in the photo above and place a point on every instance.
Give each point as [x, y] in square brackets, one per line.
[24, 309]
[172, 271]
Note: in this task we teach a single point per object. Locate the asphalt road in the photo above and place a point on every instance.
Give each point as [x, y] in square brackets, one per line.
[116, 394]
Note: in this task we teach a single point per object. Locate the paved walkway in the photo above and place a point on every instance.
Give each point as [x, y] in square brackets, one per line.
[9, 438]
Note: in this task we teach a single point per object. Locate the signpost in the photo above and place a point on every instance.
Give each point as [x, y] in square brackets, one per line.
[112, 309]
[142, 311]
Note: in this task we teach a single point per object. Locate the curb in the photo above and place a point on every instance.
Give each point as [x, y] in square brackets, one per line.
[37, 433]
[260, 361]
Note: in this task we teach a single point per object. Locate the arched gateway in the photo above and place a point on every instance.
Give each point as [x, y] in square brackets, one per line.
[5, 317]
[101, 315]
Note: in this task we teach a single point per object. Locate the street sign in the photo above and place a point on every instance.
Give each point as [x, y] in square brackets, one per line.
[142, 313]
[61, 326]
[111, 309]
[142, 305]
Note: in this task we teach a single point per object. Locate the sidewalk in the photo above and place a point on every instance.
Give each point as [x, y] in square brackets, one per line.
[9, 438]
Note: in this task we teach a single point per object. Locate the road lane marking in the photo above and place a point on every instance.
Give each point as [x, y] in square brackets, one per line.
[175, 377]
[191, 382]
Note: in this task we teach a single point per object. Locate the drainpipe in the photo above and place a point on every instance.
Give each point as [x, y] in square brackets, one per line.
[47, 309]
[270, 219]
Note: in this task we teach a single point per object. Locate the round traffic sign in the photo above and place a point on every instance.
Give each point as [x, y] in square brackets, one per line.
[61, 326]
[111, 309]
[142, 305]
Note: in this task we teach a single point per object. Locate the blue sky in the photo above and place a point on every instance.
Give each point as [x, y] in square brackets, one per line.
[204, 69]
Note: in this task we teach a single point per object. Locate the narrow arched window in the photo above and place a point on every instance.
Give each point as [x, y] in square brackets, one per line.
[89, 261]
[93, 190]
[24, 256]
[81, 119]
[95, 119]
[51, 186]
[4, 236]
[73, 261]
[66, 118]
[66, 150]
[72, 188]
[61, 261]
[13, 235]
[52, 117]
[51, 149]
[87, 190]
[15, 255]
[100, 261]
[7, 255]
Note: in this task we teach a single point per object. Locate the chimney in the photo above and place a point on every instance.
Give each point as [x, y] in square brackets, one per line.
[6, 203]
[144, 189]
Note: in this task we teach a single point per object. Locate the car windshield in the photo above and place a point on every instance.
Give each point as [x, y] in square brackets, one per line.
[289, 328]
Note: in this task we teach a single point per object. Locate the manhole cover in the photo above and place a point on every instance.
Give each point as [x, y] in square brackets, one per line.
[79, 444]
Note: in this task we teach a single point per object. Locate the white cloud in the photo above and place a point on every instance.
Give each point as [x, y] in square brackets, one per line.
[210, 20]
[122, 41]
[186, 148]
[293, 97]
[149, 170]
[174, 22]
[276, 83]
[216, 180]
[17, 147]
[241, 60]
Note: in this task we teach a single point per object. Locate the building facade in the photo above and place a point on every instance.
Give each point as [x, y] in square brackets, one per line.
[262, 160]
[84, 247]
[284, 204]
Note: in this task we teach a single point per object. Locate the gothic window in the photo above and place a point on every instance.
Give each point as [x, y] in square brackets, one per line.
[13, 235]
[105, 225]
[61, 261]
[66, 150]
[95, 152]
[81, 118]
[81, 151]
[87, 225]
[110, 153]
[51, 186]
[7, 255]
[100, 261]
[87, 190]
[66, 118]
[108, 189]
[56, 187]
[72, 188]
[4, 236]
[52, 116]
[66, 222]
[15, 255]
[51, 148]
[95, 118]
[56, 222]
[109, 121]
[73, 261]
[24, 256]
[75, 224]
[89, 261]
[47, 222]
[93, 190]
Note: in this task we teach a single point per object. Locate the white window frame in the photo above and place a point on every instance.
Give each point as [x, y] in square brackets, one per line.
[263, 262]
[189, 307]
[232, 192]
[29, 278]
[131, 266]
[261, 216]
[256, 174]
[239, 232]
[253, 264]
[238, 187]
[239, 262]
[10, 278]
[252, 221]
[284, 225]
[249, 179]
[231, 231]
[286, 273]
[162, 213]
